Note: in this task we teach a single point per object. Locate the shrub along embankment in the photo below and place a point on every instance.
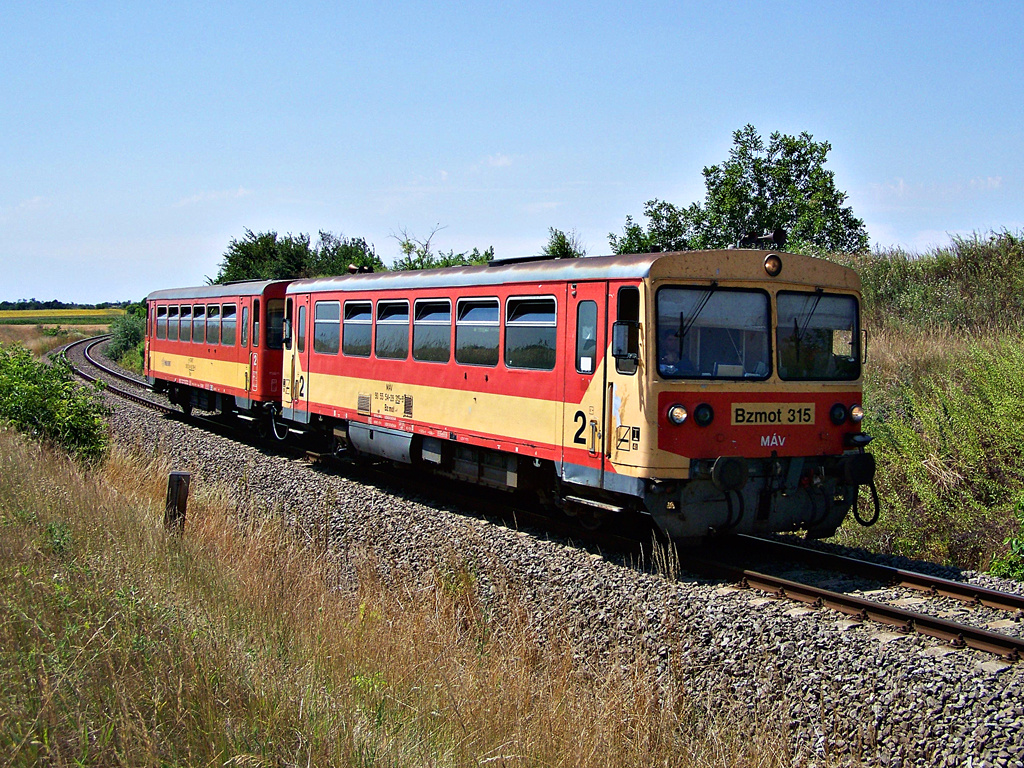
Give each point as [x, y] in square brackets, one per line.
[944, 392]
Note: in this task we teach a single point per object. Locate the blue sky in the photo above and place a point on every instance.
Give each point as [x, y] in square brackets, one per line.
[137, 139]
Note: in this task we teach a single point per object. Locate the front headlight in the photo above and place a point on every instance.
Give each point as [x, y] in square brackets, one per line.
[677, 414]
[856, 413]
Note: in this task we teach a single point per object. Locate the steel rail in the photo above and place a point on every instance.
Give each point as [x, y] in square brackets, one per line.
[123, 393]
[107, 369]
[932, 585]
[960, 635]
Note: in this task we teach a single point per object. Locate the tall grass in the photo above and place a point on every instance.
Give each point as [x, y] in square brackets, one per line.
[976, 284]
[949, 446]
[944, 391]
[249, 642]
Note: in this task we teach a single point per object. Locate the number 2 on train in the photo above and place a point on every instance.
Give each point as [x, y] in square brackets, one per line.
[581, 417]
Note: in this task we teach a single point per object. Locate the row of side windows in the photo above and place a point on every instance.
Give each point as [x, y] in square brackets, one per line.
[202, 323]
[531, 329]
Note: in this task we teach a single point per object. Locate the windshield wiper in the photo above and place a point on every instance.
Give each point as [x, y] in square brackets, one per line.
[685, 325]
[799, 334]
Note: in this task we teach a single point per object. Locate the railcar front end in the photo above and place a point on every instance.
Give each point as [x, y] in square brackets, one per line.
[749, 392]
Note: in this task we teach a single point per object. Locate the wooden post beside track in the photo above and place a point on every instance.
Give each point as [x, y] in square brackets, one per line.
[177, 501]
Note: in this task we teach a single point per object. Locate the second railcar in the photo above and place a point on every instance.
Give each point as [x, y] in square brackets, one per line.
[218, 347]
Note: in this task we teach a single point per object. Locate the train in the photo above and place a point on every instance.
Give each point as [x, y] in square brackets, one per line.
[718, 392]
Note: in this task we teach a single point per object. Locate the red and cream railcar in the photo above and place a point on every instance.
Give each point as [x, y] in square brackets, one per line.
[716, 391]
[218, 347]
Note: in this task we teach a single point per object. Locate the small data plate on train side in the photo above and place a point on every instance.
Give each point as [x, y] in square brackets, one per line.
[772, 414]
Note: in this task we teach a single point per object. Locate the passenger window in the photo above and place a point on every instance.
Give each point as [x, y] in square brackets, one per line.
[255, 322]
[531, 329]
[392, 330]
[213, 324]
[227, 324]
[326, 327]
[627, 319]
[301, 340]
[476, 331]
[199, 324]
[186, 324]
[161, 322]
[245, 327]
[358, 328]
[432, 331]
[172, 323]
[586, 336]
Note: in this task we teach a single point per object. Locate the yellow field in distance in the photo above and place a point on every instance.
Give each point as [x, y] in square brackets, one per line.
[30, 314]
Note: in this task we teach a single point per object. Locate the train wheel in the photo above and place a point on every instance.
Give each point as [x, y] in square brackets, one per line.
[590, 519]
[263, 428]
[186, 408]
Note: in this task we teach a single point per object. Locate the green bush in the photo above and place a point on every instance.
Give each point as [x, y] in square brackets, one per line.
[127, 332]
[45, 402]
[1010, 564]
[132, 359]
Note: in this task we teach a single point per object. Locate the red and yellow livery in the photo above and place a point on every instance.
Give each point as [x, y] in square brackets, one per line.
[717, 391]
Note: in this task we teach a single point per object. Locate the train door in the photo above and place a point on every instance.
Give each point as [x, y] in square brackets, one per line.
[243, 332]
[296, 386]
[150, 322]
[583, 430]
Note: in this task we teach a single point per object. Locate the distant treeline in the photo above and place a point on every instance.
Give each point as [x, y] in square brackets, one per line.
[35, 304]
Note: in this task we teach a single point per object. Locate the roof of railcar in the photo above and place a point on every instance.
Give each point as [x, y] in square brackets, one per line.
[731, 264]
[243, 288]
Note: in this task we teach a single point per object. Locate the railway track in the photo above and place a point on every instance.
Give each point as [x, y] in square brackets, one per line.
[728, 564]
[732, 566]
[87, 346]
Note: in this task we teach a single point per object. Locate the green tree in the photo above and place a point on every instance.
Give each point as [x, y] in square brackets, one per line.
[563, 245]
[760, 189]
[266, 256]
[334, 254]
[418, 254]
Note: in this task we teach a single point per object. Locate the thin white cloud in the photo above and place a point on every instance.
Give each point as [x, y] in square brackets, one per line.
[898, 193]
[32, 204]
[987, 182]
[25, 207]
[542, 207]
[499, 161]
[214, 196]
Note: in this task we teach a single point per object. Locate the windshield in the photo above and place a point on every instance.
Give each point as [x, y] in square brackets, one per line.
[817, 336]
[712, 332]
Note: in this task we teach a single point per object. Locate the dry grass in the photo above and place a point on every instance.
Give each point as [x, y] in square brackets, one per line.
[39, 343]
[904, 356]
[249, 642]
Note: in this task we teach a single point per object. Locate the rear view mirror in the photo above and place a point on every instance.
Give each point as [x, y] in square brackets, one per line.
[626, 340]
